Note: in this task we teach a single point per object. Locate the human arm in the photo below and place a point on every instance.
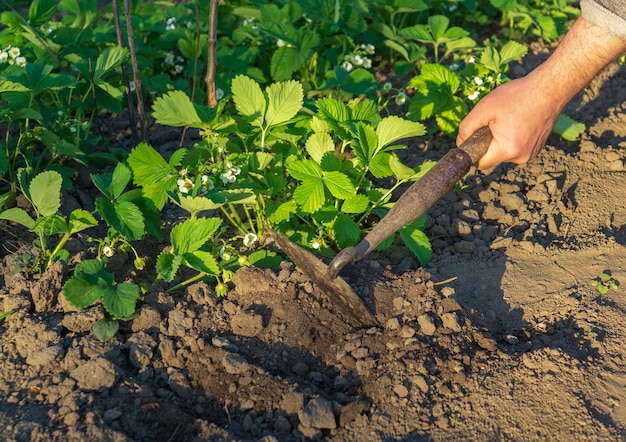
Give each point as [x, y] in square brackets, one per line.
[522, 112]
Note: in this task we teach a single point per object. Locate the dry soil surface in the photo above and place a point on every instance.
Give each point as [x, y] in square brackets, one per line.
[501, 337]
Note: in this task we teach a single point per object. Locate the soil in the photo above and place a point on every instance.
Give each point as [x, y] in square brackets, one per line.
[501, 337]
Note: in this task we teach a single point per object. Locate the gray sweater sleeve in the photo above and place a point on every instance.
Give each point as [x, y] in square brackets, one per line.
[609, 15]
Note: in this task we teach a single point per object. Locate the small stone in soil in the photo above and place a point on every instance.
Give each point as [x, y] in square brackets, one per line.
[318, 413]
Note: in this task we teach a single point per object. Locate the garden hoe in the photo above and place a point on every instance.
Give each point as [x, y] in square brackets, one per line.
[413, 203]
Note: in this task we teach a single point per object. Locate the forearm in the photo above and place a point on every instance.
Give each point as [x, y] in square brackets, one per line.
[584, 51]
[522, 113]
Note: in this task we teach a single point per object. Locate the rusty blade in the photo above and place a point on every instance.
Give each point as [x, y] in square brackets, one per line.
[336, 289]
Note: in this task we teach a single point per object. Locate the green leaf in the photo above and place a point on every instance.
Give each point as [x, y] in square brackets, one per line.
[113, 184]
[80, 220]
[167, 265]
[203, 262]
[51, 225]
[438, 25]
[310, 195]
[347, 232]
[152, 173]
[365, 144]
[339, 185]
[263, 258]
[284, 100]
[568, 128]
[192, 234]
[195, 204]
[394, 128]
[355, 204]
[105, 328]
[359, 81]
[281, 212]
[399, 170]
[318, 144]
[120, 300]
[41, 11]
[249, 99]
[18, 215]
[88, 284]
[379, 165]
[304, 170]
[45, 192]
[176, 109]
[330, 163]
[109, 59]
[417, 241]
[511, 51]
[124, 217]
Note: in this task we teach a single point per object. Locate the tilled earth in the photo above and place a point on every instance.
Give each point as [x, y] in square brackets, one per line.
[501, 337]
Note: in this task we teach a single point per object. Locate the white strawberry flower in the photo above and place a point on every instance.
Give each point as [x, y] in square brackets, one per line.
[249, 239]
[184, 185]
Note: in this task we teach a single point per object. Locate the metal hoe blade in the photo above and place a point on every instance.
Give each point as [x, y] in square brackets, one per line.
[411, 205]
[336, 288]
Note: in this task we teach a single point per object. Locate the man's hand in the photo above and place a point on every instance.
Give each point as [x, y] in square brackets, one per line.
[520, 117]
[522, 112]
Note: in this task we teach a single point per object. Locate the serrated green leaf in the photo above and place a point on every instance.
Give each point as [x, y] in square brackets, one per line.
[88, 283]
[18, 215]
[339, 185]
[203, 262]
[310, 195]
[417, 32]
[330, 163]
[399, 170]
[195, 204]
[192, 234]
[347, 232]
[105, 328]
[326, 214]
[249, 99]
[304, 170]
[176, 109]
[51, 225]
[511, 51]
[568, 128]
[284, 100]
[45, 192]
[167, 265]
[124, 217]
[80, 220]
[120, 299]
[394, 128]
[355, 204]
[113, 184]
[264, 259]
[491, 59]
[379, 165]
[435, 77]
[438, 25]
[359, 81]
[365, 145]
[318, 144]
[152, 173]
[281, 212]
[417, 241]
[109, 59]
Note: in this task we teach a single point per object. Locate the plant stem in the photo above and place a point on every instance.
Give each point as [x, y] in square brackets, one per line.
[59, 246]
[129, 97]
[187, 282]
[212, 62]
[133, 63]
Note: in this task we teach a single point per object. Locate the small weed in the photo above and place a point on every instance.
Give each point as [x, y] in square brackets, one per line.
[604, 282]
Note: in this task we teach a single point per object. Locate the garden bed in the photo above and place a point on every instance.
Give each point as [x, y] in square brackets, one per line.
[501, 337]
